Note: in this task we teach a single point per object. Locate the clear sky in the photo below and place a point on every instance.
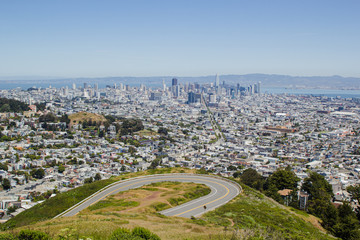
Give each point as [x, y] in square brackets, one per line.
[88, 38]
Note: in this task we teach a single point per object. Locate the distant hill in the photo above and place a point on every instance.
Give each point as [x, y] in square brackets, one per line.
[80, 117]
[11, 105]
[267, 80]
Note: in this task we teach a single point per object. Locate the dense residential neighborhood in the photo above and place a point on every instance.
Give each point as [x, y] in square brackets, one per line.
[67, 137]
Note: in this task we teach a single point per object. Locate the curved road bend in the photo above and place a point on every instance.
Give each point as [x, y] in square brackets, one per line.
[222, 191]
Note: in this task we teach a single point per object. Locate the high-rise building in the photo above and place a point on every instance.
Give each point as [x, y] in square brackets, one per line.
[164, 85]
[212, 98]
[255, 88]
[96, 87]
[74, 86]
[155, 96]
[85, 85]
[194, 97]
[259, 88]
[174, 82]
[217, 81]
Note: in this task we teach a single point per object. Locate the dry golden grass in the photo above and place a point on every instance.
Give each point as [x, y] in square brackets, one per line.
[146, 133]
[99, 223]
[85, 116]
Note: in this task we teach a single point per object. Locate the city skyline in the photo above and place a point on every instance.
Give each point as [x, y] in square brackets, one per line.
[157, 38]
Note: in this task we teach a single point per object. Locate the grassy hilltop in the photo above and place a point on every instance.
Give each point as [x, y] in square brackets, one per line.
[78, 118]
[251, 215]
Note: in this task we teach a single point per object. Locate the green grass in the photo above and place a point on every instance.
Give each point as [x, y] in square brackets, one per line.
[251, 215]
[113, 203]
[56, 205]
[176, 201]
[199, 191]
[160, 206]
[62, 201]
[258, 214]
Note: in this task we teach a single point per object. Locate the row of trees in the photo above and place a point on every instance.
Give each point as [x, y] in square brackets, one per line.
[343, 222]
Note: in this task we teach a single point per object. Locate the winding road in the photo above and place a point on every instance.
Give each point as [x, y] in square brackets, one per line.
[222, 191]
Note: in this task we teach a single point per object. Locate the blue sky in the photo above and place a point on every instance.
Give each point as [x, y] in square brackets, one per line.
[87, 38]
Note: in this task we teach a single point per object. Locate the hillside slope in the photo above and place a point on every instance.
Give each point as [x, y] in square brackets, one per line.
[251, 215]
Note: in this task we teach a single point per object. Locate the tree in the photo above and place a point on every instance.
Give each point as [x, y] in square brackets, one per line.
[163, 131]
[231, 168]
[3, 167]
[97, 177]
[65, 118]
[354, 192]
[348, 225]
[6, 184]
[237, 174]
[123, 168]
[325, 211]
[88, 180]
[61, 168]
[283, 179]
[50, 117]
[11, 209]
[101, 134]
[252, 178]
[317, 187]
[131, 125]
[110, 118]
[38, 173]
[154, 164]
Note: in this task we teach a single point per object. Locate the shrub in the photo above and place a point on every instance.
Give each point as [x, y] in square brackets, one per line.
[138, 233]
[32, 235]
[144, 233]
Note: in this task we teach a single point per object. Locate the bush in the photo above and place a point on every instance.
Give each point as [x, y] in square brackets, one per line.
[123, 234]
[144, 234]
[32, 235]
[138, 233]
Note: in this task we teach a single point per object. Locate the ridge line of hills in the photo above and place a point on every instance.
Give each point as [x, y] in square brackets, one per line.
[267, 80]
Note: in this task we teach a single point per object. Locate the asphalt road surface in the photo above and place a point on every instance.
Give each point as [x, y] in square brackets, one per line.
[222, 191]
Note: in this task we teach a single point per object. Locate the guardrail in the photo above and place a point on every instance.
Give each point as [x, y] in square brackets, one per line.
[145, 176]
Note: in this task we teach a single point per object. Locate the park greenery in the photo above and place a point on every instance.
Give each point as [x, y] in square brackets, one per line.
[251, 211]
[11, 105]
[342, 222]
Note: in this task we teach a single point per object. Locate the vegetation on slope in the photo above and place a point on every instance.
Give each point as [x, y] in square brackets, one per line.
[251, 215]
[259, 217]
[342, 222]
[56, 205]
[11, 105]
[62, 201]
